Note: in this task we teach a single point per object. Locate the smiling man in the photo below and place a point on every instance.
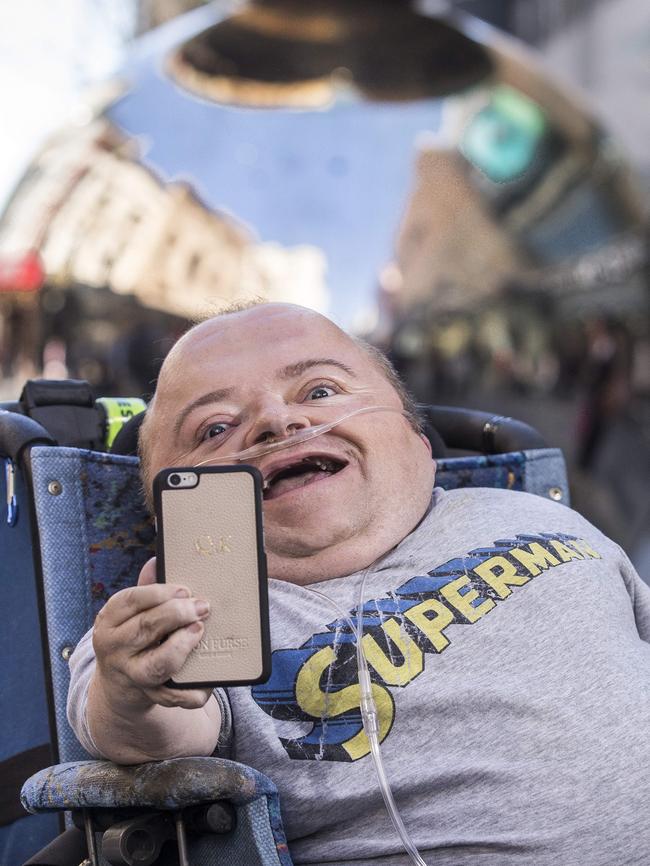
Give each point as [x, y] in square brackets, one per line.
[309, 372]
[506, 637]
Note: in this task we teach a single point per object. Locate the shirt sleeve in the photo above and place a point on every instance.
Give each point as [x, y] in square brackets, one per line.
[224, 745]
[640, 594]
[82, 666]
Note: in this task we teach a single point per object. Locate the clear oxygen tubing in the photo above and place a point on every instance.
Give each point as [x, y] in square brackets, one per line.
[369, 717]
[291, 441]
[367, 702]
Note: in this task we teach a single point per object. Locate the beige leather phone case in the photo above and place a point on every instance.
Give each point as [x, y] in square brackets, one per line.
[210, 540]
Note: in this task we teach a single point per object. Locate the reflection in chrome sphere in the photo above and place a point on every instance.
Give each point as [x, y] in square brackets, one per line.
[382, 162]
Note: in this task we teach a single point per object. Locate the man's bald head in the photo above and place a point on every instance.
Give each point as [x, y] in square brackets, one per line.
[171, 373]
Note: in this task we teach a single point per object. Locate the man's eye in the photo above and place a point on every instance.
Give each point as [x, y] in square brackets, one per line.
[218, 428]
[320, 391]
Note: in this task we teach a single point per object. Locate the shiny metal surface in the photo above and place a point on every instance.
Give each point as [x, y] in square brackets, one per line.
[383, 162]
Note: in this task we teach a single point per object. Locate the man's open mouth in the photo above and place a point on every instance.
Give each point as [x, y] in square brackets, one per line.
[298, 474]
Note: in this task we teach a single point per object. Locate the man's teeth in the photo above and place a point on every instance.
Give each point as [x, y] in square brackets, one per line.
[315, 462]
[325, 465]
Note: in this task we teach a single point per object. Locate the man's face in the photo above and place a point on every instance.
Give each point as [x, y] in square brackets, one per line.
[332, 504]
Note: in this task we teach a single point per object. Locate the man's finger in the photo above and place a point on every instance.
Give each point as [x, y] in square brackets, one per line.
[158, 664]
[154, 625]
[148, 572]
[130, 602]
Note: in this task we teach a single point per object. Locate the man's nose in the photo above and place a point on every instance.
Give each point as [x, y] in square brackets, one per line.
[277, 421]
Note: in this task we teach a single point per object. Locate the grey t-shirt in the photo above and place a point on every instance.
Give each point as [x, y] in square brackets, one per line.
[508, 644]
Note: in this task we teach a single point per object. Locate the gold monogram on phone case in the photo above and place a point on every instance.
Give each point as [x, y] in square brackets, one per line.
[210, 544]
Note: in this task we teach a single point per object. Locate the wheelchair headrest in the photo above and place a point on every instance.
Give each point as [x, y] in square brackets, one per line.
[446, 427]
[126, 441]
[470, 430]
[65, 412]
[68, 413]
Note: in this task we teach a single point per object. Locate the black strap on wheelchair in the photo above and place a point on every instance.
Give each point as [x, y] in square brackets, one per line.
[68, 849]
[13, 772]
[66, 409]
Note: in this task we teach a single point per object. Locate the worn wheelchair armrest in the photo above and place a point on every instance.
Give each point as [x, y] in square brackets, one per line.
[171, 786]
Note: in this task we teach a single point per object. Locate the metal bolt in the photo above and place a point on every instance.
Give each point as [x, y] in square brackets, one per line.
[66, 652]
[55, 488]
[556, 493]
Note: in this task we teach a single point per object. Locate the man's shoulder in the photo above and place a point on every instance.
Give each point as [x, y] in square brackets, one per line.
[480, 495]
[510, 507]
[484, 519]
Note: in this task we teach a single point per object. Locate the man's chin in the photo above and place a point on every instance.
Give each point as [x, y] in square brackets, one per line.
[302, 566]
[303, 541]
[310, 526]
[308, 536]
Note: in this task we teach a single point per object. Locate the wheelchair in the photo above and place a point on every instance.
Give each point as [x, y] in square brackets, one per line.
[76, 530]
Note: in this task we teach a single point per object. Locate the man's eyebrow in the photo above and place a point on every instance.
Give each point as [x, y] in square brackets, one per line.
[300, 367]
[204, 400]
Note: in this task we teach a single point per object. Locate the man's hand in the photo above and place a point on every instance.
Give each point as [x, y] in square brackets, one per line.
[142, 637]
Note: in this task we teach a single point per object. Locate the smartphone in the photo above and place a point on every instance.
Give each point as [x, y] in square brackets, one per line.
[210, 539]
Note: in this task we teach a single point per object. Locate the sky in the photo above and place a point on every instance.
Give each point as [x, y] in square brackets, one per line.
[50, 51]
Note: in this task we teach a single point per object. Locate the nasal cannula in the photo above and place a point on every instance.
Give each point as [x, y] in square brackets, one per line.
[294, 439]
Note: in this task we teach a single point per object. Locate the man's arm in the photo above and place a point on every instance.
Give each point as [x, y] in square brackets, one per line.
[141, 638]
[128, 733]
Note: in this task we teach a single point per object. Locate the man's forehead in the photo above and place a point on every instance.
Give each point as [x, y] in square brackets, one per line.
[276, 335]
[259, 332]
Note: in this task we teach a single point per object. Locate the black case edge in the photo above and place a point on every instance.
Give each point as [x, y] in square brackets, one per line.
[265, 631]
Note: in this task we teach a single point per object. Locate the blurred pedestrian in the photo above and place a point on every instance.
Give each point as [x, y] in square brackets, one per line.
[607, 380]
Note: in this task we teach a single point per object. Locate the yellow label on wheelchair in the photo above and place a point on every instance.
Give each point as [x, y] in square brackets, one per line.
[119, 410]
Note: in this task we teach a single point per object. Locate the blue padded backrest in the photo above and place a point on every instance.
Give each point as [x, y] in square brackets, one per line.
[95, 535]
[541, 471]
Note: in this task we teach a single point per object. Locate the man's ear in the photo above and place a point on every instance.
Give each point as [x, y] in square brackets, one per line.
[427, 443]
